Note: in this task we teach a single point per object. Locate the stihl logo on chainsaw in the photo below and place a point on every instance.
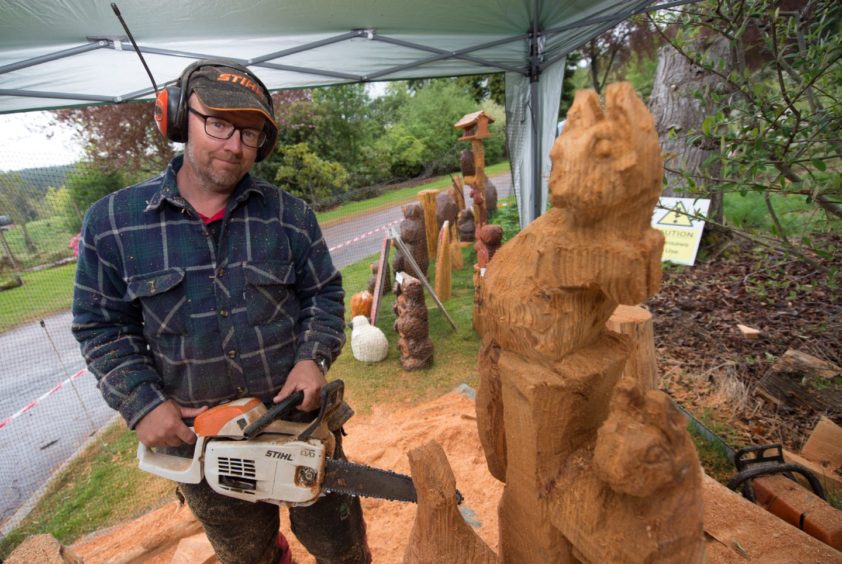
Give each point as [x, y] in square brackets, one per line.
[282, 455]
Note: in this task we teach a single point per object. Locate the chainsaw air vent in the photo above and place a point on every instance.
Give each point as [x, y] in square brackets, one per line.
[239, 467]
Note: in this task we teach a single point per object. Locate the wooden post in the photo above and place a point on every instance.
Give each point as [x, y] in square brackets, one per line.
[443, 263]
[428, 202]
[636, 323]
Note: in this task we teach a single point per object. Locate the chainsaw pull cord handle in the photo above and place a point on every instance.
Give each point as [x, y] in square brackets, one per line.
[276, 411]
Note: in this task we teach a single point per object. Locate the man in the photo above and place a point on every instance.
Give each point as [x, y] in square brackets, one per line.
[205, 284]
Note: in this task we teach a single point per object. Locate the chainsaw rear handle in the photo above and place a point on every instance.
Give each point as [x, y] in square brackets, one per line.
[171, 467]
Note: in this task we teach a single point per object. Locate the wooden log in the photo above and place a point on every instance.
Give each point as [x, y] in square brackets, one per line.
[824, 446]
[454, 540]
[800, 508]
[636, 323]
[428, 202]
[194, 550]
[797, 362]
[739, 531]
[444, 263]
[42, 549]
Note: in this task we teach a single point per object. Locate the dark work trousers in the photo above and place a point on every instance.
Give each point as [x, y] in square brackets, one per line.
[242, 532]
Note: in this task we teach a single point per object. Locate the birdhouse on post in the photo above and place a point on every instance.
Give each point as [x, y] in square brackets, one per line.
[474, 126]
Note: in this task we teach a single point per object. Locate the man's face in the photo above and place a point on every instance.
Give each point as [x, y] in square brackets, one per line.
[219, 163]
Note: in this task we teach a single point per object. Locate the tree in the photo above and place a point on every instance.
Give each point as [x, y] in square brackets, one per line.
[120, 137]
[303, 174]
[776, 121]
[87, 184]
[15, 204]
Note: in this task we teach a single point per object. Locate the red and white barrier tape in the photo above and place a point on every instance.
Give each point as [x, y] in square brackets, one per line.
[363, 236]
[58, 386]
[34, 402]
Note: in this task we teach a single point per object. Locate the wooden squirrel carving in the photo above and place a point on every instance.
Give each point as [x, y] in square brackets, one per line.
[596, 469]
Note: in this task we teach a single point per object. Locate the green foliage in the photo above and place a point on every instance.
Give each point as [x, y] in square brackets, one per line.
[507, 217]
[313, 179]
[775, 111]
[87, 184]
[422, 141]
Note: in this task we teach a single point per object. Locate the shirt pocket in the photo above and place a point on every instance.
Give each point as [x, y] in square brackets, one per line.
[270, 292]
[164, 301]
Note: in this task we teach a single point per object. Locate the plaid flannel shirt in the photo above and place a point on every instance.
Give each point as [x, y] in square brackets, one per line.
[161, 312]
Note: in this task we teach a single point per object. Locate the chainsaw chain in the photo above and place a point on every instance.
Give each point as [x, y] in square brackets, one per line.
[397, 487]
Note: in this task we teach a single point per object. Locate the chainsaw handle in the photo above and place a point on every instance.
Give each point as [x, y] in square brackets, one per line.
[274, 412]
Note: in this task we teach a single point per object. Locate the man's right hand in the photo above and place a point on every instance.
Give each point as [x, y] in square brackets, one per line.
[163, 426]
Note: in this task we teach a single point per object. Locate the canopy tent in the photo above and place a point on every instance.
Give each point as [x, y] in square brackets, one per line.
[62, 53]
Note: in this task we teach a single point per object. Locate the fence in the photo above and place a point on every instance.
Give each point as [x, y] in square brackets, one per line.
[49, 404]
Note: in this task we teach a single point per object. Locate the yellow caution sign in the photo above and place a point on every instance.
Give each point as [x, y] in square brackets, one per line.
[677, 219]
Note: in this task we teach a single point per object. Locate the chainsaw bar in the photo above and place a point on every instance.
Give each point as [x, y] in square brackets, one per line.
[349, 478]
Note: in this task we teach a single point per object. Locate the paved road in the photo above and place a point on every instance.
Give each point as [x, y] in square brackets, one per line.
[35, 443]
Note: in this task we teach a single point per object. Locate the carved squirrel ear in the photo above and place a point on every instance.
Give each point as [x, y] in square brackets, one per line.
[584, 112]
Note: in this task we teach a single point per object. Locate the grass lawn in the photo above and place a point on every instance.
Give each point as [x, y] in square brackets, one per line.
[395, 197]
[50, 237]
[43, 293]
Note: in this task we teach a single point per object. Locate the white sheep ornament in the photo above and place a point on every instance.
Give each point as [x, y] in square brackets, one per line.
[368, 343]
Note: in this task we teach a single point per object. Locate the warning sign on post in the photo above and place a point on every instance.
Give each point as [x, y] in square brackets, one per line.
[679, 220]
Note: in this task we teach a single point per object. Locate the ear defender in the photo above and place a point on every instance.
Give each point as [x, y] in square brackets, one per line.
[171, 106]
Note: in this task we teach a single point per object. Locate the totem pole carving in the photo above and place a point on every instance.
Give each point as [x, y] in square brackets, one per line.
[414, 343]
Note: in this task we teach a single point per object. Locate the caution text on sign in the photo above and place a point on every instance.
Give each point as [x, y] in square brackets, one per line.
[681, 221]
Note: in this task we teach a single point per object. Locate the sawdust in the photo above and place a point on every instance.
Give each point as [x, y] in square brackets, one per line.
[382, 439]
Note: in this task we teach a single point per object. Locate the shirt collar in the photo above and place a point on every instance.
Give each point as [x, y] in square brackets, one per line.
[168, 191]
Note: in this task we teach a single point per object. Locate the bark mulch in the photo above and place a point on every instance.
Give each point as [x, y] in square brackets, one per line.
[711, 369]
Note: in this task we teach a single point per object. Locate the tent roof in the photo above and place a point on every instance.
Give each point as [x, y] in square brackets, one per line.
[60, 53]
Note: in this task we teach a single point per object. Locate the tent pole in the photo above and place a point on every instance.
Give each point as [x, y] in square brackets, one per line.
[535, 108]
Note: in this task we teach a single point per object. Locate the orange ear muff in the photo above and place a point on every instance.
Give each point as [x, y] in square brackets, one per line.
[161, 111]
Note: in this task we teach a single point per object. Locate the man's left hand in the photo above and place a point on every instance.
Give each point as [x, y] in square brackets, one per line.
[307, 377]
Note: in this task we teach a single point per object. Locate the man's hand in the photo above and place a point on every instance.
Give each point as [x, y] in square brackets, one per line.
[307, 377]
[163, 426]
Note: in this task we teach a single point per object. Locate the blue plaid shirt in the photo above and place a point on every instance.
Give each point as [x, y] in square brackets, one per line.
[162, 311]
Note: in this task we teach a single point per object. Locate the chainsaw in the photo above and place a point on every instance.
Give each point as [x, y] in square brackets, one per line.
[247, 451]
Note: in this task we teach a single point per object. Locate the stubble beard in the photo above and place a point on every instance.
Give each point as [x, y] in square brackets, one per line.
[212, 180]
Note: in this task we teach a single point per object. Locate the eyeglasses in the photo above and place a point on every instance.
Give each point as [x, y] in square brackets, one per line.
[219, 128]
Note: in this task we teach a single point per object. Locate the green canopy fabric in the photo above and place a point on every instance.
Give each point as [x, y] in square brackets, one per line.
[62, 53]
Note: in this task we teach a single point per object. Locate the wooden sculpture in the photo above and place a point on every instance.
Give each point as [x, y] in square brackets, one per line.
[412, 232]
[490, 238]
[372, 280]
[428, 203]
[490, 196]
[446, 209]
[457, 192]
[361, 303]
[465, 226]
[596, 469]
[444, 263]
[414, 343]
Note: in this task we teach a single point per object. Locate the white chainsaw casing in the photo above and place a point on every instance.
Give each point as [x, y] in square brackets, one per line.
[272, 468]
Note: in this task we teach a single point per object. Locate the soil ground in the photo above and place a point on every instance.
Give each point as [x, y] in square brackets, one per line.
[711, 369]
